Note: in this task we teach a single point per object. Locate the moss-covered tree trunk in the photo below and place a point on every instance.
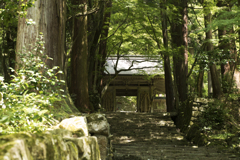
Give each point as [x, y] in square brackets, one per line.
[49, 18]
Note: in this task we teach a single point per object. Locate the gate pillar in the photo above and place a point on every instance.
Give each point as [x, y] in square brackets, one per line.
[109, 100]
[143, 100]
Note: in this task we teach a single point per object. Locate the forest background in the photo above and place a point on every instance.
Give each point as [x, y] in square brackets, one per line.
[53, 56]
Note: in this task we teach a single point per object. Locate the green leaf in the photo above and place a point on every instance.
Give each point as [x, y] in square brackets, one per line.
[4, 119]
[42, 112]
[55, 67]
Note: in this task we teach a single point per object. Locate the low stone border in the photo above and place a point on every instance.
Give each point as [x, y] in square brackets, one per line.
[83, 137]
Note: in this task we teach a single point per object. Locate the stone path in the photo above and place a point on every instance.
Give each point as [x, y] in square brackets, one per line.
[144, 136]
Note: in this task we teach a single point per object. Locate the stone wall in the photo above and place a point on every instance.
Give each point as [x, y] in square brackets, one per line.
[76, 138]
[194, 134]
[199, 105]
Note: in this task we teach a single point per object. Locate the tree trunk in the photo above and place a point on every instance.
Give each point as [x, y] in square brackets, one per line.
[79, 60]
[50, 18]
[180, 60]
[95, 24]
[167, 68]
[11, 48]
[179, 33]
[225, 68]
[228, 48]
[4, 67]
[200, 80]
[217, 92]
[103, 47]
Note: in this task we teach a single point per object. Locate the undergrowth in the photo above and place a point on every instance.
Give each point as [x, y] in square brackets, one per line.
[220, 123]
[28, 100]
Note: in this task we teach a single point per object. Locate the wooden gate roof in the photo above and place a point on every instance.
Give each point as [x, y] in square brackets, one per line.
[141, 65]
[127, 82]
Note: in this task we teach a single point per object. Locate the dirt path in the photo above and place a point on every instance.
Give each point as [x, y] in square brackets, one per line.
[144, 136]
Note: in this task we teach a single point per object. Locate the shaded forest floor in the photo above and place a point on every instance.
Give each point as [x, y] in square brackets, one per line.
[144, 136]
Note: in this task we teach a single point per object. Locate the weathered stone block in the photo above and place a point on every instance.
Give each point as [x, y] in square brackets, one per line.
[195, 113]
[48, 147]
[103, 144]
[193, 118]
[195, 104]
[98, 125]
[77, 125]
[96, 117]
[60, 132]
[88, 148]
[201, 109]
[195, 108]
[19, 151]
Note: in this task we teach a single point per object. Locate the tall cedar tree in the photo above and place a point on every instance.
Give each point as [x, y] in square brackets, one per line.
[52, 25]
[167, 68]
[217, 91]
[79, 58]
[179, 35]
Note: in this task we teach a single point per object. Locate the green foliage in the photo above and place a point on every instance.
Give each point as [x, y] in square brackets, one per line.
[33, 92]
[215, 116]
[11, 9]
[95, 99]
[136, 28]
[126, 103]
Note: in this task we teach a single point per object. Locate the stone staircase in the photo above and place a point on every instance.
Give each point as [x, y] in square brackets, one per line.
[148, 136]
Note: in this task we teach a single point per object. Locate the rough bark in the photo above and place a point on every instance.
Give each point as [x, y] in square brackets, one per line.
[50, 19]
[167, 68]
[79, 60]
[180, 59]
[217, 92]
[179, 32]
[9, 51]
[11, 48]
[3, 57]
[103, 46]
[95, 25]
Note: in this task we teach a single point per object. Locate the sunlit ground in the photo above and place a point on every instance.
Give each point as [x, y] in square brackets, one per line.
[142, 136]
[142, 132]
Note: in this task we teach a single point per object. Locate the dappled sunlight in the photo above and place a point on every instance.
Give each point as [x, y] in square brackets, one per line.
[124, 139]
[154, 135]
[144, 127]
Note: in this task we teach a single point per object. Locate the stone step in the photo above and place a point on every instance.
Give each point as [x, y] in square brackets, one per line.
[146, 136]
